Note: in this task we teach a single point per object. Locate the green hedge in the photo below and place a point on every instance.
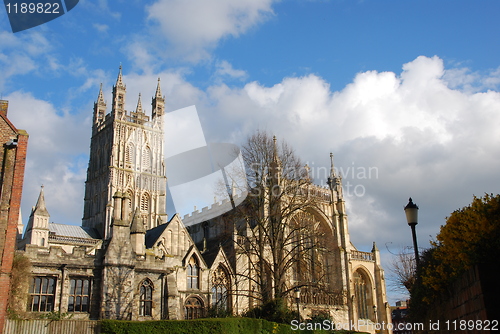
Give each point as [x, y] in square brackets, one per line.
[199, 326]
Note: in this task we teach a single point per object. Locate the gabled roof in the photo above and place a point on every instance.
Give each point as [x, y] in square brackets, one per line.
[9, 123]
[153, 234]
[73, 231]
[212, 250]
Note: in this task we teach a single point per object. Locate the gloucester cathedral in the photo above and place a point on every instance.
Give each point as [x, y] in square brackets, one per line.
[128, 260]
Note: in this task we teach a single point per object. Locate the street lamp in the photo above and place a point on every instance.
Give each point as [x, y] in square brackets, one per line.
[297, 300]
[411, 210]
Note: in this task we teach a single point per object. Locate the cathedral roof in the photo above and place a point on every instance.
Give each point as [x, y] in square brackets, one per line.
[212, 250]
[73, 231]
[153, 234]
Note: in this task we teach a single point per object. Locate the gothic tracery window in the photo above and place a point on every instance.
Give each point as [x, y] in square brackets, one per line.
[129, 156]
[145, 202]
[193, 272]
[220, 289]
[362, 295]
[313, 257]
[131, 196]
[146, 159]
[146, 298]
[193, 308]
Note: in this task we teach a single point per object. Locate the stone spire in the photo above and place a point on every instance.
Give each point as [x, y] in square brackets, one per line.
[37, 231]
[276, 161]
[158, 102]
[158, 89]
[40, 209]
[139, 105]
[100, 98]
[99, 108]
[275, 166]
[119, 80]
[119, 90]
[332, 168]
[275, 151]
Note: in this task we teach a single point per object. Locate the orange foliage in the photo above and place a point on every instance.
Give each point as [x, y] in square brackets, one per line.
[471, 236]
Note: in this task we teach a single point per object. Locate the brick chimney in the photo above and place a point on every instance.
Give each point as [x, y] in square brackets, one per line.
[4, 105]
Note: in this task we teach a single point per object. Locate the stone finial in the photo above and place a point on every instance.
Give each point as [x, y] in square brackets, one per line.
[137, 223]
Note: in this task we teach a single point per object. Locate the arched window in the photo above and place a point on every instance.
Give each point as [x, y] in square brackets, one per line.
[129, 155]
[193, 308]
[131, 196]
[146, 298]
[362, 295]
[220, 290]
[145, 202]
[193, 272]
[146, 159]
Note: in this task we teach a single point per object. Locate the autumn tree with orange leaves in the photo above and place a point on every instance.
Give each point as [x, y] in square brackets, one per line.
[471, 236]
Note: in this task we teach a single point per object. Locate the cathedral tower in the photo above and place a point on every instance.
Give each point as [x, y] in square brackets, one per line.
[126, 155]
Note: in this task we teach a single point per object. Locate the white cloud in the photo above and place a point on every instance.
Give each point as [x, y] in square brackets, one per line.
[102, 28]
[426, 139]
[472, 82]
[56, 158]
[225, 70]
[195, 27]
[22, 54]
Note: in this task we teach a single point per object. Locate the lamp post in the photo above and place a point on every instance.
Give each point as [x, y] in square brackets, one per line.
[411, 210]
[297, 300]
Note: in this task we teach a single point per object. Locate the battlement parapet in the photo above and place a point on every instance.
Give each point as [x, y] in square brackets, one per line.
[56, 254]
[215, 210]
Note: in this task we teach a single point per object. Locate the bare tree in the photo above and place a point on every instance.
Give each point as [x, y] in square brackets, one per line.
[280, 241]
[403, 267]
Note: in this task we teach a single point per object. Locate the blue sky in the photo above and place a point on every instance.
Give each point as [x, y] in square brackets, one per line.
[408, 87]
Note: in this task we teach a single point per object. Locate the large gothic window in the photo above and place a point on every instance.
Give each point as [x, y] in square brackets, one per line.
[362, 294]
[314, 244]
[220, 289]
[193, 273]
[146, 298]
[193, 308]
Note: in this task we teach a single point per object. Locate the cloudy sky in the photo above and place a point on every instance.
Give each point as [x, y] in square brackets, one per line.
[404, 93]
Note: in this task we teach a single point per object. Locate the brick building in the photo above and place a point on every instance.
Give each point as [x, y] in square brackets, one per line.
[12, 161]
